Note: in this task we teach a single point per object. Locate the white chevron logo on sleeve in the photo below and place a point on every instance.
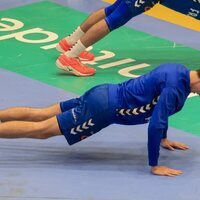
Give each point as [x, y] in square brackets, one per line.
[135, 111]
[148, 107]
[122, 112]
[128, 111]
[138, 3]
[155, 101]
[142, 109]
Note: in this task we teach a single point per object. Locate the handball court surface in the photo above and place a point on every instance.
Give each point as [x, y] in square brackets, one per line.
[112, 164]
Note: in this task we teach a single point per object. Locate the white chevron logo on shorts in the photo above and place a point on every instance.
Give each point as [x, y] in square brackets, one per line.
[81, 128]
[137, 111]
[138, 3]
[73, 132]
[90, 123]
[84, 126]
[78, 129]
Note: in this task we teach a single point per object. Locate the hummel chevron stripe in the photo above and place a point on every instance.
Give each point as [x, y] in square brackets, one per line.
[81, 128]
[137, 111]
[138, 3]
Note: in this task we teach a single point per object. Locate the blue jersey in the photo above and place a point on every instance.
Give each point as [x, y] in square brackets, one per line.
[188, 7]
[151, 98]
[122, 11]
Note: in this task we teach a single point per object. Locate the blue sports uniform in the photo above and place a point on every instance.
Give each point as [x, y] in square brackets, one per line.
[123, 10]
[150, 98]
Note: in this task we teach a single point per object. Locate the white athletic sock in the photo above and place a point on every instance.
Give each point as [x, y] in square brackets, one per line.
[75, 36]
[75, 50]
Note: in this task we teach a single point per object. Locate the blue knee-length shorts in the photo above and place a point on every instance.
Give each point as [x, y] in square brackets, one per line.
[85, 116]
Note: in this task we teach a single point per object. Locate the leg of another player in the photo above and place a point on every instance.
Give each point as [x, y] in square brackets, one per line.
[93, 19]
[95, 33]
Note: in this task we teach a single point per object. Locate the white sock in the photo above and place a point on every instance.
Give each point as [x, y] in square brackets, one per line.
[75, 36]
[75, 50]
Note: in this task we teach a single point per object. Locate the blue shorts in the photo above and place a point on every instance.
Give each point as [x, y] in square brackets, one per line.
[85, 116]
[122, 11]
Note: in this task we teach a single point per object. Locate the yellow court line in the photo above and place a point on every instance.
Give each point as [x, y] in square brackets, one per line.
[166, 14]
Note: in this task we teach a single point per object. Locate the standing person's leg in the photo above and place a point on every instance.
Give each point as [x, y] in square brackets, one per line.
[98, 16]
[93, 19]
[66, 43]
[117, 18]
[122, 13]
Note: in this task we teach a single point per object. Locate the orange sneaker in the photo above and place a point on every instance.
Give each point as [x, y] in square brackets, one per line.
[86, 56]
[64, 46]
[74, 66]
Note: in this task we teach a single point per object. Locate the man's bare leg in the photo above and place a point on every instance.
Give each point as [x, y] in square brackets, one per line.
[83, 28]
[93, 19]
[36, 130]
[29, 114]
[95, 33]
[69, 60]
[66, 43]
